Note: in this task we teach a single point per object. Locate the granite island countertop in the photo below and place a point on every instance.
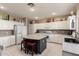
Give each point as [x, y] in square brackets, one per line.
[36, 36]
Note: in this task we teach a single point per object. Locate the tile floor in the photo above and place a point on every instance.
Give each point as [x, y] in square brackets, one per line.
[52, 49]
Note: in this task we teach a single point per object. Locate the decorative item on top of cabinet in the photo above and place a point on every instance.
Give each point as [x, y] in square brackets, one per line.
[14, 19]
[24, 20]
[36, 21]
[31, 22]
[57, 19]
[61, 19]
[52, 19]
[49, 20]
[5, 17]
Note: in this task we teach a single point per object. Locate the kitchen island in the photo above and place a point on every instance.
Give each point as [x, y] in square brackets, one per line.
[40, 40]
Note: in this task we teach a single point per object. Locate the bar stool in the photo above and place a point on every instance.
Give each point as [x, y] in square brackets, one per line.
[31, 47]
[24, 45]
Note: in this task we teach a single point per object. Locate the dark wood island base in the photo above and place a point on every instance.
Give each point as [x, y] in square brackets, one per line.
[41, 43]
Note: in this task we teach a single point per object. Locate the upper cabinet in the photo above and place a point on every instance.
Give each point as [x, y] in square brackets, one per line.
[68, 24]
[8, 21]
[52, 25]
[8, 25]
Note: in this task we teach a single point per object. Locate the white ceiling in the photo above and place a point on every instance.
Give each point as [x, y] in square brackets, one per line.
[42, 10]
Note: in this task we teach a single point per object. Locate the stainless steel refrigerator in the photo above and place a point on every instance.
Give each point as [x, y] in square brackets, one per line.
[20, 31]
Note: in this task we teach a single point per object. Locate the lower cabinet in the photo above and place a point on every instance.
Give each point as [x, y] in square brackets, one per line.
[71, 47]
[57, 38]
[7, 41]
[11, 40]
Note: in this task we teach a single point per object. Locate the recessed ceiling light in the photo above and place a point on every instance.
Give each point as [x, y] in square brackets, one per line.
[53, 13]
[2, 7]
[36, 17]
[32, 9]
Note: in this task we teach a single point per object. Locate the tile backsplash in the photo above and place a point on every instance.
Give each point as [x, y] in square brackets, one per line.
[6, 32]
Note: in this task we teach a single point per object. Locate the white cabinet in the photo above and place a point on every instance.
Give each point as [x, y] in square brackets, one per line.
[11, 40]
[31, 29]
[3, 41]
[7, 41]
[8, 25]
[51, 38]
[39, 26]
[52, 25]
[71, 47]
[57, 38]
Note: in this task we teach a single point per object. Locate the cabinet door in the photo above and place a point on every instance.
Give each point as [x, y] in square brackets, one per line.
[6, 25]
[1, 41]
[51, 38]
[69, 47]
[4, 41]
[10, 25]
[31, 29]
[1, 25]
[7, 42]
[12, 40]
[59, 38]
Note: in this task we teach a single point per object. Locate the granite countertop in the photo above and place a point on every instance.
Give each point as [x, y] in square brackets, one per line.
[36, 36]
[67, 36]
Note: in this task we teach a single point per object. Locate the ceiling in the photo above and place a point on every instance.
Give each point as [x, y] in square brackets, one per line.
[42, 10]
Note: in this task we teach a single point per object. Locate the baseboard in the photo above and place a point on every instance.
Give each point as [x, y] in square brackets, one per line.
[10, 45]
